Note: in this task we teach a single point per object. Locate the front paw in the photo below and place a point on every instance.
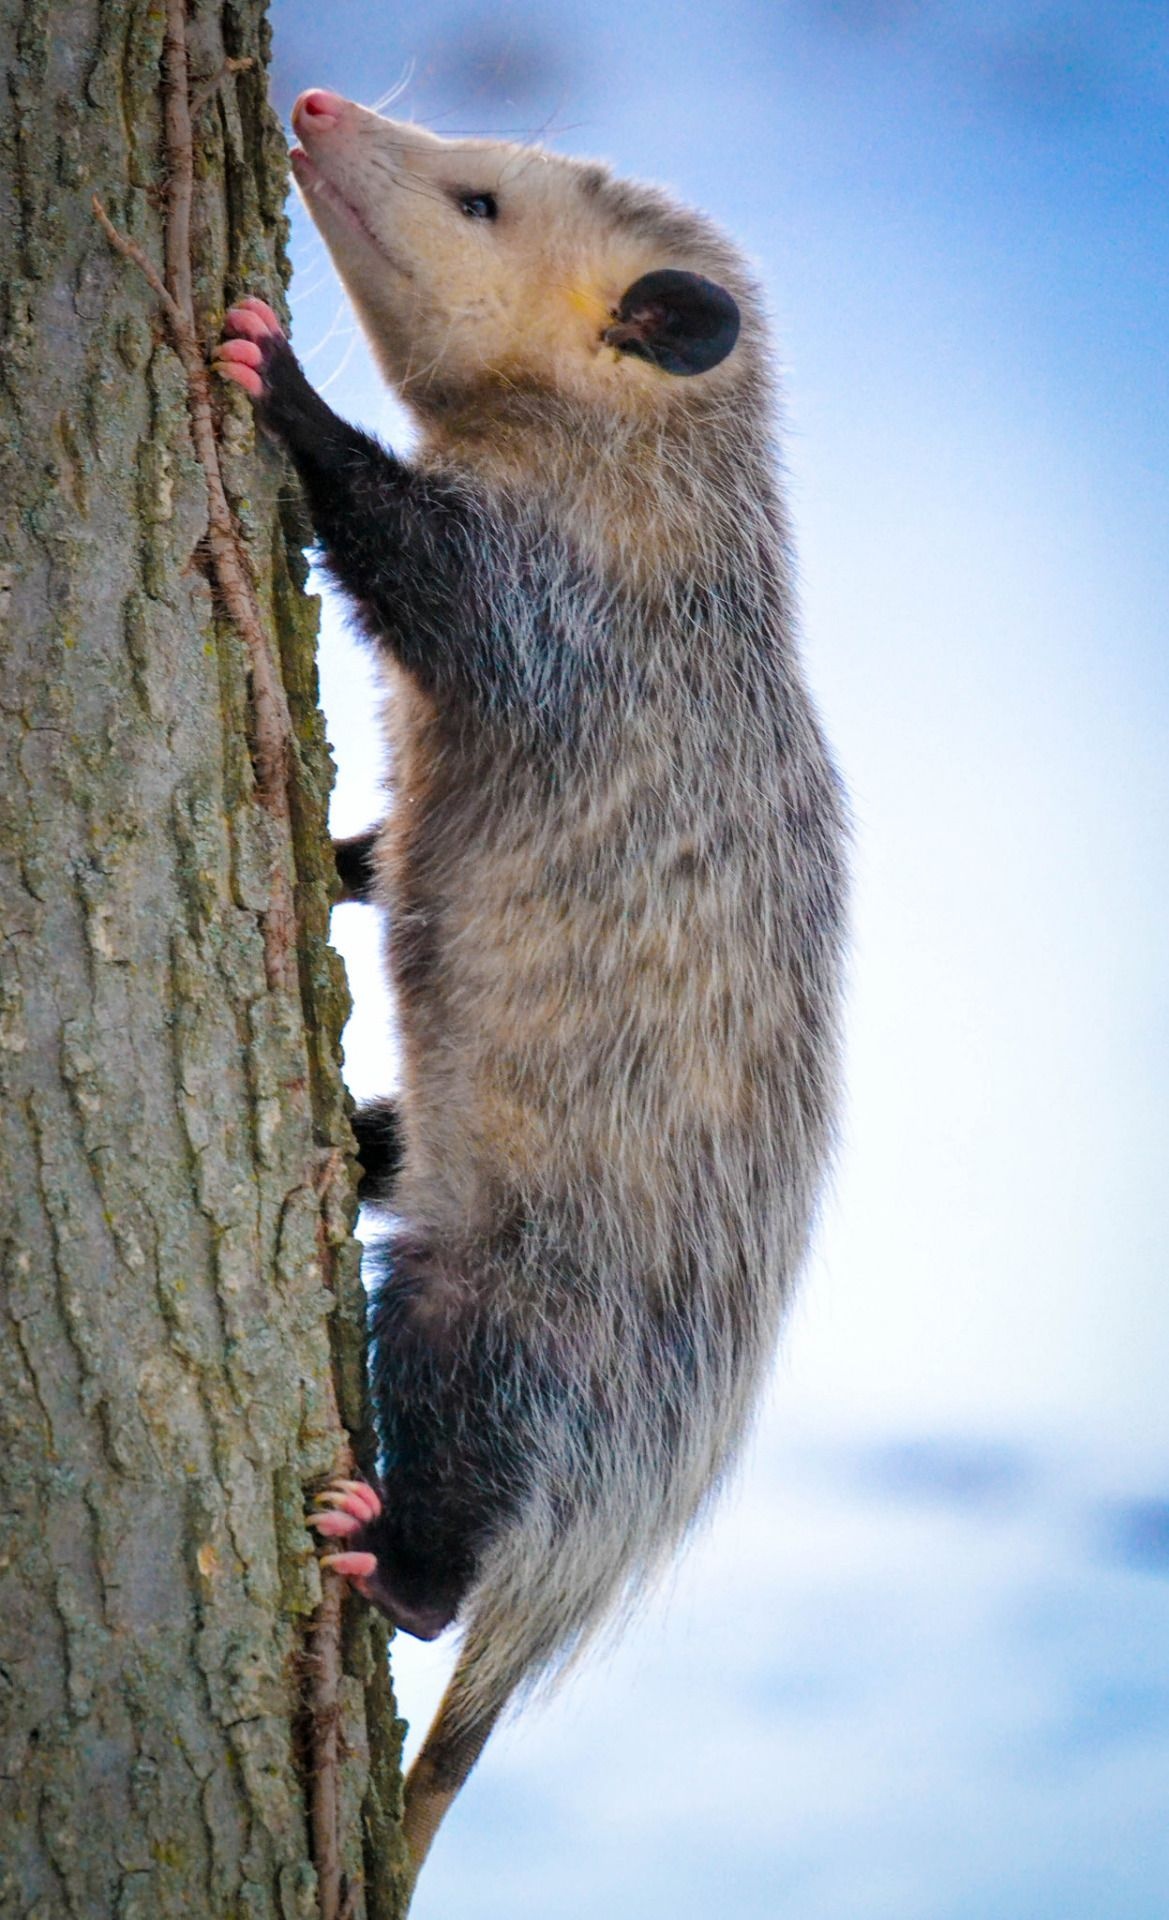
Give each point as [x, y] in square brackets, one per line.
[255, 340]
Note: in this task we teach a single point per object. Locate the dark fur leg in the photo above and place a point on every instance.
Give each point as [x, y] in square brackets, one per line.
[397, 542]
[377, 1129]
[454, 1415]
[406, 546]
[355, 865]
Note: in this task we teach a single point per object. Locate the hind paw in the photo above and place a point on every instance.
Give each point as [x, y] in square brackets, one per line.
[351, 1506]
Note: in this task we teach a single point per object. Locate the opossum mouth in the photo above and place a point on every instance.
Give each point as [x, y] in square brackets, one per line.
[313, 181]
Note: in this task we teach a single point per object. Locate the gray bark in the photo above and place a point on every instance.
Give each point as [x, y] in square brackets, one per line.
[181, 1310]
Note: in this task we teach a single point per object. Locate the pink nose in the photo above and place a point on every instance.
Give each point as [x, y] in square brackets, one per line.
[317, 109]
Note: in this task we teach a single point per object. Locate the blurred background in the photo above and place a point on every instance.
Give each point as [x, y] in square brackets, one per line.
[917, 1665]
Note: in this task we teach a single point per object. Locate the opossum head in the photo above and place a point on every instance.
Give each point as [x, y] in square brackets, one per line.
[487, 275]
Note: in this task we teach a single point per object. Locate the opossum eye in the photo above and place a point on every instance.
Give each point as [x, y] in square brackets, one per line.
[478, 206]
[680, 321]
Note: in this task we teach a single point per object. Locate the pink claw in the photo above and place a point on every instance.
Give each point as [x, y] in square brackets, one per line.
[358, 1567]
[254, 318]
[355, 1566]
[239, 320]
[335, 1525]
[364, 1498]
[246, 377]
[253, 302]
[245, 351]
[349, 1503]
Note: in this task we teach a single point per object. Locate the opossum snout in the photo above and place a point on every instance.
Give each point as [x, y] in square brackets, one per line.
[317, 109]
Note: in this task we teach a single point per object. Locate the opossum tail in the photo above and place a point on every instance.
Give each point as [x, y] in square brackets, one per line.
[504, 1652]
[457, 1736]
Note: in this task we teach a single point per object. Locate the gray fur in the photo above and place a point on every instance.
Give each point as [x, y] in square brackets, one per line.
[613, 882]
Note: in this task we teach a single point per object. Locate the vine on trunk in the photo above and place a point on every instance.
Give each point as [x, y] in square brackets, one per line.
[273, 763]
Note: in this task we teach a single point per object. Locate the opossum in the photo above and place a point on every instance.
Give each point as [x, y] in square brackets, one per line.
[613, 876]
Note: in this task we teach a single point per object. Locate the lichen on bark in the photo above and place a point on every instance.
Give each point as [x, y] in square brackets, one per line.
[181, 1302]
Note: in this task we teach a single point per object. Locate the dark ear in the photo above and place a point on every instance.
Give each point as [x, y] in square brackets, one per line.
[680, 321]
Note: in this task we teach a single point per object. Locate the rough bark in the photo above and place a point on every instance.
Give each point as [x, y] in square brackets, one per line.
[183, 1726]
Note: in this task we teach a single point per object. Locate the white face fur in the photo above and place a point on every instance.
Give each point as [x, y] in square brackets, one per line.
[478, 265]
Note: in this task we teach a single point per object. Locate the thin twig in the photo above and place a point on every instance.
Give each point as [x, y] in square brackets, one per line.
[325, 1811]
[130, 250]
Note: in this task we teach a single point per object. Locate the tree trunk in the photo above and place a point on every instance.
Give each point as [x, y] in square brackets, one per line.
[186, 1729]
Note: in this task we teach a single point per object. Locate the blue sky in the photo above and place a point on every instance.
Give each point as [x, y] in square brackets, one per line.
[917, 1664]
